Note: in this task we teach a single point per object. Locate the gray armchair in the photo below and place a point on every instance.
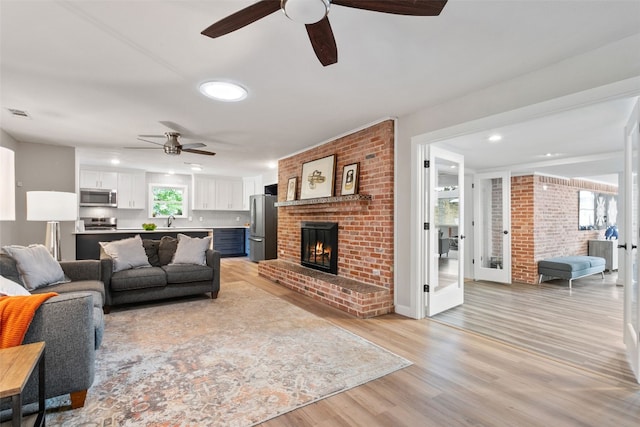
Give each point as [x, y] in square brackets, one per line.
[444, 245]
[71, 324]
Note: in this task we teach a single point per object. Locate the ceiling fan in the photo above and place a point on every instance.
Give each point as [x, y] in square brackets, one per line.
[173, 147]
[314, 14]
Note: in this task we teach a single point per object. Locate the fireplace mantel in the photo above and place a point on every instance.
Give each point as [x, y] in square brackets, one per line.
[326, 200]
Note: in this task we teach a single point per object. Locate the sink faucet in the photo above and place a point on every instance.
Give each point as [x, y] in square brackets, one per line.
[170, 220]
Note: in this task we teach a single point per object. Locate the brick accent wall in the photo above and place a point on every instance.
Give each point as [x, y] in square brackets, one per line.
[365, 228]
[544, 222]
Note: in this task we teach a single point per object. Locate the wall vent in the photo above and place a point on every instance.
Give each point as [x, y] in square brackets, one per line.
[19, 113]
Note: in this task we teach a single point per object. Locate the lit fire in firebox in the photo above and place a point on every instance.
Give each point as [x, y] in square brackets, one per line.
[320, 251]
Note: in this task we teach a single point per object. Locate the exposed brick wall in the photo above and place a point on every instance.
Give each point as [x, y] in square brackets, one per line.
[544, 221]
[365, 228]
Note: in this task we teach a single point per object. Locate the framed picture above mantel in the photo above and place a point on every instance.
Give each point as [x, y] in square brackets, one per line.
[318, 178]
[350, 179]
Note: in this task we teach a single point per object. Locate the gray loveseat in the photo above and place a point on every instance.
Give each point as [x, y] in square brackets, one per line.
[161, 279]
[71, 324]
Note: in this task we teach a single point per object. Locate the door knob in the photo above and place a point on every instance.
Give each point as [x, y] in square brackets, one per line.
[622, 246]
[506, 231]
[462, 237]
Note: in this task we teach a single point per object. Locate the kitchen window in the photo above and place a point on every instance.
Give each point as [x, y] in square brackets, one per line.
[167, 200]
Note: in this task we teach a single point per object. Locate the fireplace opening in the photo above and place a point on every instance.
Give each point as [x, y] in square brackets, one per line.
[319, 246]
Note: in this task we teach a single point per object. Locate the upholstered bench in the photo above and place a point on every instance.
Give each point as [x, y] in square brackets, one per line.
[570, 267]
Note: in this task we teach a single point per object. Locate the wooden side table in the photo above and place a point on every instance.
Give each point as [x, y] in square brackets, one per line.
[16, 366]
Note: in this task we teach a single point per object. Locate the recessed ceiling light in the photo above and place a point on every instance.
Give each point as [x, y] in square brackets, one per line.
[272, 165]
[115, 161]
[196, 168]
[495, 138]
[223, 91]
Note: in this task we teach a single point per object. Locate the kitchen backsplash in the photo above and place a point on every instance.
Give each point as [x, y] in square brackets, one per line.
[134, 218]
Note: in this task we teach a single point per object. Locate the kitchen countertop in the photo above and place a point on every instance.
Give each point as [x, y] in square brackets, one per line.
[159, 230]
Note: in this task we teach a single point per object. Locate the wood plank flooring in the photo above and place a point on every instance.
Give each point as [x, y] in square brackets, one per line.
[459, 378]
[582, 326]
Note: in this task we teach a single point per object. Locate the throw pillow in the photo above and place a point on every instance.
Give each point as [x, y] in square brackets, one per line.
[151, 249]
[11, 288]
[126, 253]
[36, 266]
[191, 250]
[167, 248]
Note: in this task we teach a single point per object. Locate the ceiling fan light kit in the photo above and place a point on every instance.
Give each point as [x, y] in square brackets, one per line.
[313, 14]
[305, 11]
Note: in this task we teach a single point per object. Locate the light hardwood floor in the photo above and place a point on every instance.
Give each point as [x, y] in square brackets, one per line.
[458, 377]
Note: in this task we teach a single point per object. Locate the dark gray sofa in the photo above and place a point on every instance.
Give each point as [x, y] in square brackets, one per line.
[71, 324]
[162, 280]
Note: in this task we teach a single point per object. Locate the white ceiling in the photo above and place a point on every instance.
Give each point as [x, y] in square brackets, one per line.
[95, 74]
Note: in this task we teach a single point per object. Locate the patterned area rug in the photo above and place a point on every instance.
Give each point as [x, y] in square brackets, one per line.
[239, 360]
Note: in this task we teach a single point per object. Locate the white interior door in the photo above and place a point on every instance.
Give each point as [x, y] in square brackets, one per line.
[443, 236]
[630, 242]
[492, 227]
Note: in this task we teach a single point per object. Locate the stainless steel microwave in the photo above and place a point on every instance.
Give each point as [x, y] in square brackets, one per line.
[98, 197]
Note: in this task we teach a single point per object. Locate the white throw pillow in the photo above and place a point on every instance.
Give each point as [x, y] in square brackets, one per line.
[126, 253]
[11, 288]
[36, 266]
[191, 250]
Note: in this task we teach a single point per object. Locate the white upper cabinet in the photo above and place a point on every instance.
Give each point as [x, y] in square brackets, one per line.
[131, 190]
[98, 179]
[229, 194]
[250, 187]
[204, 193]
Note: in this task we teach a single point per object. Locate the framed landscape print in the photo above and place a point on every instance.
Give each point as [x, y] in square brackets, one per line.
[291, 188]
[350, 179]
[318, 178]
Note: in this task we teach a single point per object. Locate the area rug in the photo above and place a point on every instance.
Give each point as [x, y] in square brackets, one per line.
[239, 360]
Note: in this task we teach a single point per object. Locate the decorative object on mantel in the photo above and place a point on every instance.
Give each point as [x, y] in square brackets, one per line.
[318, 178]
[350, 179]
[291, 188]
[326, 200]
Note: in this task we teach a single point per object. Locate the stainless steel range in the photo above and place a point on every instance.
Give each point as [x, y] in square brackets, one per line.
[100, 223]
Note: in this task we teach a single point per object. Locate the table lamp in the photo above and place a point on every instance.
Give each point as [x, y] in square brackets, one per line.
[7, 185]
[53, 207]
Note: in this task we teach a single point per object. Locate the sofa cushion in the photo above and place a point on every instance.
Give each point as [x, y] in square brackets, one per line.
[166, 249]
[93, 287]
[138, 278]
[191, 250]
[126, 253]
[11, 288]
[187, 273]
[36, 266]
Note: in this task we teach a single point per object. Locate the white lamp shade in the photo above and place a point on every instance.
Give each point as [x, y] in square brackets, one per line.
[7, 185]
[51, 206]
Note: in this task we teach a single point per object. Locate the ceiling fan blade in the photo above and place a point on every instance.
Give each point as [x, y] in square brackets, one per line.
[398, 7]
[140, 148]
[242, 18]
[191, 150]
[151, 142]
[193, 145]
[323, 42]
[151, 136]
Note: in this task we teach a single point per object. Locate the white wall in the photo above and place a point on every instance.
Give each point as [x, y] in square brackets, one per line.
[527, 96]
[39, 167]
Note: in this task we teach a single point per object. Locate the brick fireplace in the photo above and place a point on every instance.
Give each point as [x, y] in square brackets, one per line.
[364, 283]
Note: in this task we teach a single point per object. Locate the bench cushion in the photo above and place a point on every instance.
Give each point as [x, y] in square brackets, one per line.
[571, 263]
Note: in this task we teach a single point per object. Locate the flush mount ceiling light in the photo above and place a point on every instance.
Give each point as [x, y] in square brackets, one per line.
[305, 11]
[495, 138]
[223, 91]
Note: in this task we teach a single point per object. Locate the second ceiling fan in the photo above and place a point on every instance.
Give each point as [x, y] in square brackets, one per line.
[314, 14]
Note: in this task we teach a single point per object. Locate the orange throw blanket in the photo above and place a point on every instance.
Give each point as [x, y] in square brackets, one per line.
[16, 314]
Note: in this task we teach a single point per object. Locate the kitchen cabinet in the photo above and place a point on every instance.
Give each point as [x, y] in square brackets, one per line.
[98, 179]
[250, 186]
[204, 193]
[229, 194]
[229, 241]
[131, 190]
[607, 249]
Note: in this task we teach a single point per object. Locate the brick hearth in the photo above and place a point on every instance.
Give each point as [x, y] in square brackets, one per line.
[360, 299]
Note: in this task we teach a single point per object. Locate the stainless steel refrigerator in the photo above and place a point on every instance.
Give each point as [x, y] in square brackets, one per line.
[263, 232]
